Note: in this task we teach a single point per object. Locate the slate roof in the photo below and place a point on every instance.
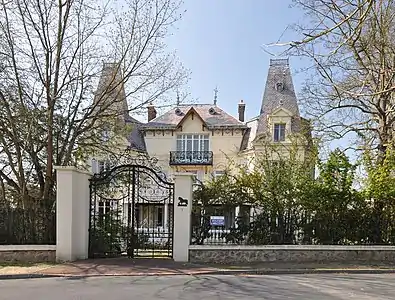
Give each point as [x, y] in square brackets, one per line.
[275, 97]
[249, 134]
[136, 137]
[213, 117]
[245, 139]
[112, 87]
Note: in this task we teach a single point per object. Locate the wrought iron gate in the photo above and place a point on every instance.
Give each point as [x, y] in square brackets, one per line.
[131, 213]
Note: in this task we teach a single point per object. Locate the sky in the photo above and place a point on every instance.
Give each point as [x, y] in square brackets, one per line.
[222, 43]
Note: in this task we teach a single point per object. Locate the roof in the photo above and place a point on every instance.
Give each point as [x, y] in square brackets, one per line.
[136, 136]
[249, 134]
[111, 88]
[279, 92]
[212, 116]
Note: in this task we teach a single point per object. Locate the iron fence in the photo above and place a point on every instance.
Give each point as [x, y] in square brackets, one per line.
[247, 225]
[250, 225]
[20, 226]
[217, 224]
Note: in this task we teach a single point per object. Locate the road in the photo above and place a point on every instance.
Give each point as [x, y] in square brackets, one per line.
[295, 287]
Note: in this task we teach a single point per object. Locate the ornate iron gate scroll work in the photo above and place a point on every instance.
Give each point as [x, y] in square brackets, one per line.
[131, 212]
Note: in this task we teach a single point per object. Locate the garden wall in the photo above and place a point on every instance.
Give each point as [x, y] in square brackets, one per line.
[290, 253]
[27, 253]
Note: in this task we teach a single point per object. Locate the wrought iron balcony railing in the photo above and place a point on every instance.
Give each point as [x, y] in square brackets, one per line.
[191, 158]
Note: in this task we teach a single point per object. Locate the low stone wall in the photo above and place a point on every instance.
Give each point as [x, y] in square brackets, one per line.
[290, 253]
[27, 253]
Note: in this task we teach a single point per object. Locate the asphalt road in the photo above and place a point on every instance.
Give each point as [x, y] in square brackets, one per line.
[322, 287]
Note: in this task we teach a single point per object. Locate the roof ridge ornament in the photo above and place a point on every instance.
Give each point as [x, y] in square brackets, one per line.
[215, 95]
[178, 98]
[279, 62]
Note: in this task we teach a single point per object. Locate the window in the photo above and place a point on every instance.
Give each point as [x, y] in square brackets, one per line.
[103, 208]
[159, 216]
[197, 174]
[105, 135]
[150, 216]
[193, 142]
[279, 86]
[107, 209]
[198, 178]
[279, 132]
[105, 166]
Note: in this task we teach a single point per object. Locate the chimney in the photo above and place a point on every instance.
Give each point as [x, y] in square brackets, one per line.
[241, 109]
[151, 112]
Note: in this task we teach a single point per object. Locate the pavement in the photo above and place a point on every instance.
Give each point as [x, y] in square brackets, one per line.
[167, 267]
[197, 287]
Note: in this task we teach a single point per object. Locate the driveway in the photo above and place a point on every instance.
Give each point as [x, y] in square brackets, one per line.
[296, 287]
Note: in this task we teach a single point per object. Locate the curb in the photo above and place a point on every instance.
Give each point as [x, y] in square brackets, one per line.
[307, 271]
[214, 272]
[26, 276]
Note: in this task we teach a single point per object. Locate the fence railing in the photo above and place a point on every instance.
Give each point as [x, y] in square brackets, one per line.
[191, 158]
[257, 226]
[20, 226]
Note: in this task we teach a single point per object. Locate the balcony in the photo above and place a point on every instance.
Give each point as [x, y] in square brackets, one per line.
[182, 158]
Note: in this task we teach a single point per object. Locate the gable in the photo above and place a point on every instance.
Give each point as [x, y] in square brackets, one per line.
[281, 112]
[192, 122]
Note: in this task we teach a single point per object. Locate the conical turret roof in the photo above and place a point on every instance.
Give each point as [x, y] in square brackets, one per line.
[279, 92]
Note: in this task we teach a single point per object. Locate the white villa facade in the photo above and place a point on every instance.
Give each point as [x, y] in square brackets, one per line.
[202, 138]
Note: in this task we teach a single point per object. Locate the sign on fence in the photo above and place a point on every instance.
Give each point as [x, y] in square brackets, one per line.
[217, 220]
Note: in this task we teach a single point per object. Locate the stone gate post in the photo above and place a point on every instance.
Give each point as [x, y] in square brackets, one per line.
[182, 216]
[72, 213]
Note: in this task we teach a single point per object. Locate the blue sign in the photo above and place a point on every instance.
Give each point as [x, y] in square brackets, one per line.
[217, 221]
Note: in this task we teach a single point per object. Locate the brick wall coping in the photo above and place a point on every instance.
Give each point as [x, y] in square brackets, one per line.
[7, 248]
[292, 247]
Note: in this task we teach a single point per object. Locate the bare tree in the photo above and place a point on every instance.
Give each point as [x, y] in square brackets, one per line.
[51, 56]
[352, 85]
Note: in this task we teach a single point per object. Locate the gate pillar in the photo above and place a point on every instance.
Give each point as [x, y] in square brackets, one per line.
[72, 213]
[182, 216]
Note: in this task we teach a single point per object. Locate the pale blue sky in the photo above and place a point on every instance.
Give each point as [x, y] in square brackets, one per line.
[220, 41]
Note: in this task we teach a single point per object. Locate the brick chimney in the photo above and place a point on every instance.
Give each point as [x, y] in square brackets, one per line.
[151, 112]
[242, 110]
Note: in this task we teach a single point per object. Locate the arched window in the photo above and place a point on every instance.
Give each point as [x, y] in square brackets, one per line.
[279, 86]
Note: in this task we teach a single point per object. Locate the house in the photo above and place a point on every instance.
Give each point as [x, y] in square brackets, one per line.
[202, 138]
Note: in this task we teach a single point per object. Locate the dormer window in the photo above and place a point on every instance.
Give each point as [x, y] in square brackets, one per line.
[279, 132]
[212, 111]
[279, 86]
[105, 135]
